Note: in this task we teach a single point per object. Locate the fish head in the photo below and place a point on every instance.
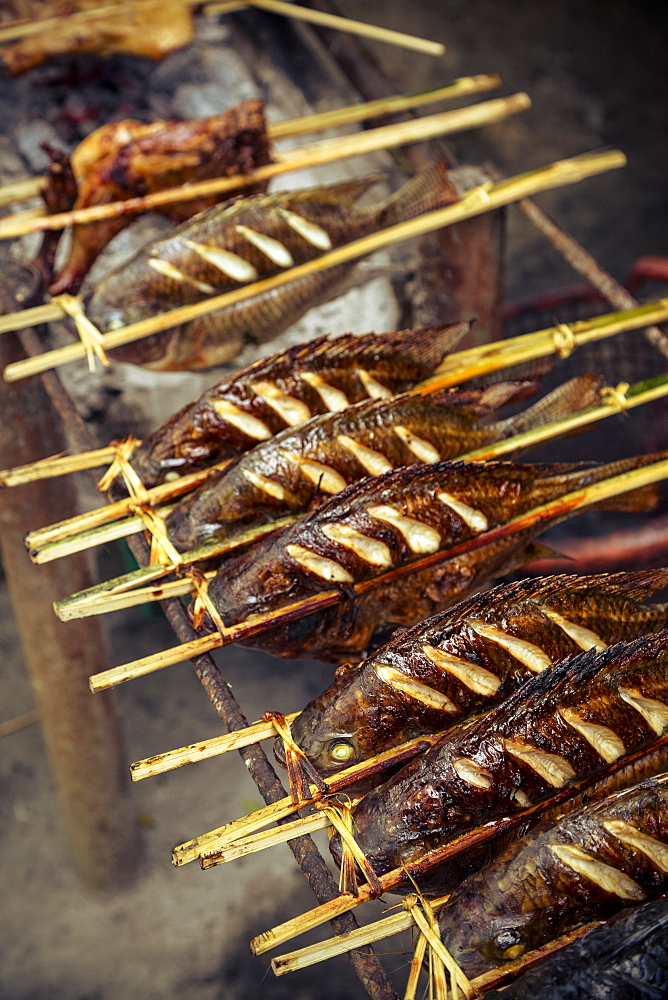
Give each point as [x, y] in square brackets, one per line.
[481, 933]
[110, 308]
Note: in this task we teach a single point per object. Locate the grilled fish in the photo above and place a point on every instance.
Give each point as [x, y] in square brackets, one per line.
[624, 959]
[289, 471]
[288, 388]
[572, 721]
[129, 158]
[234, 244]
[385, 522]
[429, 677]
[585, 867]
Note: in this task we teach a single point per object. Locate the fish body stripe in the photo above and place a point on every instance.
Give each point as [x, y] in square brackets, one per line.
[414, 689]
[420, 537]
[527, 653]
[313, 234]
[170, 271]
[371, 550]
[423, 450]
[556, 770]
[605, 876]
[372, 461]
[655, 850]
[275, 251]
[603, 740]
[266, 485]
[655, 713]
[243, 421]
[332, 397]
[326, 479]
[583, 637]
[373, 388]
[476, 678]
[475, 519]
[328, 569]
[293, 411]
[230, 264]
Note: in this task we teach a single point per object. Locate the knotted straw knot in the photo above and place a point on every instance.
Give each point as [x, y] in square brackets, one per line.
[564, 340]
[89, 335]
[120, 466]
[616, 396]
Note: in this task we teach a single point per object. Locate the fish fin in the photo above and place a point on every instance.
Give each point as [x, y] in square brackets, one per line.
[575, 394]
[344, 194]
[426, 346]
[428, 190]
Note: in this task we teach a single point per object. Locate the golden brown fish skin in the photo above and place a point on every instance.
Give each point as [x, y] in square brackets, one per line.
[538, 741]
[529, 895]
[129, 158]
[270, 574]
[178, 270]
[357, 366]
[361, 714]
[289, 471]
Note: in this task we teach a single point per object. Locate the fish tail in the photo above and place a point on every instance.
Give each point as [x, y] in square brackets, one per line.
[428, 190]
[575, 394]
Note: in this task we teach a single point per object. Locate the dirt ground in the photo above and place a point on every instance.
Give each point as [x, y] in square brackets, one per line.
[596, 73]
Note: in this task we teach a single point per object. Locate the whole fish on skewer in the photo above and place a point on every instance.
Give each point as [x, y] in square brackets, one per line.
[289, 471]
[287, 389]
[236, 243]
[389, 521]
[579, 719]
[625, 958]
[464, 660]
[584, 867]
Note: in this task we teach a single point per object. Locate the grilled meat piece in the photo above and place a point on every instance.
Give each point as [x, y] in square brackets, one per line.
[289, 471]
[572, 721]
[585, 867]
[129, 158]
[149, 30]
[288, 388]
[624, 959]
[390, 521]
[472, 656]
[237, 243]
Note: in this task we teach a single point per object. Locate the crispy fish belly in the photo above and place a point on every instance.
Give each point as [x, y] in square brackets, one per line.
[129, 158]
[624, 959]
[576, 720]
[287, 389]
[428, 678]
[589, 865]
[289, 471]
[389, 521]
[241, 242]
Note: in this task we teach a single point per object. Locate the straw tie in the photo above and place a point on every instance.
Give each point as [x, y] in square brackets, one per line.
[441, 962]
[616, 396]
[89, 335]
[203, 603]
[340, 815]
[120, 465]
[300, 770]
[564, 340]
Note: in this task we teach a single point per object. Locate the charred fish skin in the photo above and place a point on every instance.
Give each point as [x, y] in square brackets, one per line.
[391, 521]
[241, 242]
[287, 389]
[288, 471]
[473, 655]
[624, 959]
[570, 722]
[589, 865]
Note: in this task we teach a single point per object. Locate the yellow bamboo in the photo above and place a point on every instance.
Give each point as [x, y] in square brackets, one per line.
[476, 202]
[18, 190]
[569, 502]
[314, 154]
[56, 465]
[20, 722]
[158, 764]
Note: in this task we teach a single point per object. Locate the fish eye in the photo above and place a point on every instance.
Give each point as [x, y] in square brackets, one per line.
[509, 944]
[114, 321]
[341, 751]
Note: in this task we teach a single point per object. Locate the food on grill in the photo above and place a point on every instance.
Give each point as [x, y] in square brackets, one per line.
[129, 158]
[587, 866]
[575, 720]
[428, 678]
[234, 244]
[289, 471]
[624, 959]
[390, 521]
[148, 29]
[287, 389]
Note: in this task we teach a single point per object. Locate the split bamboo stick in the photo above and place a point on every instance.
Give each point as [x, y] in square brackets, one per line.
[297, 158]
[476, 202]
[20, 722]
[104, 601]
[342, 943]
[335, 118]
[564, 505]
[95, 536]
[460, 366]
[162, 762]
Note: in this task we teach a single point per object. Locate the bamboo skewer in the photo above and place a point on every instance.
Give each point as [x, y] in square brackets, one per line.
[314, 154]
[103, 601]
[160, 763]
[476, 202]
[566, 504]
[19, 29]
[222, 837]
[337, 117]
[457, 368]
